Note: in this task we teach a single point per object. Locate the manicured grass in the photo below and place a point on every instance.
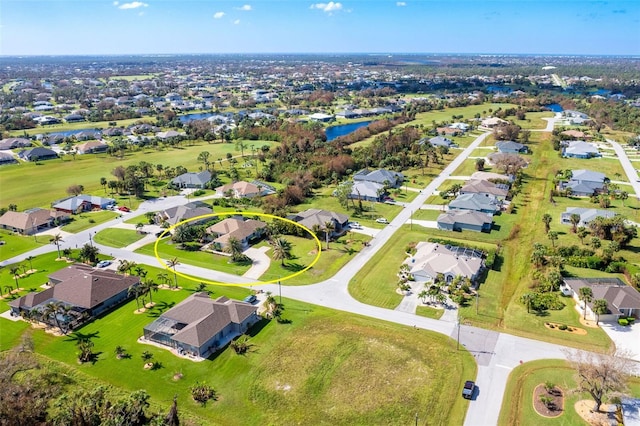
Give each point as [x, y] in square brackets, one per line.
[15, 244]
[429, 312]
[311, 371]
[468, 167]
[80, 222]
[117, 237]
[533, 120]
[41, 189]
[168, 250]
[517, 407]
[427, 214]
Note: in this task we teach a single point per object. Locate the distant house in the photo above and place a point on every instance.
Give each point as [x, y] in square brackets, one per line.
[622, 300]
[169, 134]
[73, 118]
[7, 158]
[432, 259]
[37, 154]
[586, 215]
[86, 135]
[192, 180]
[83, 203]
[484, 187]
[460, 220]
[199, 325]
[31, 221]
[476, 202]
[92, 147]
[492, 122]
[382, 176]
[244, 231]
[441, 141]
[580, 149]
[316, 217]
[511, 147]
[323, 118]
[13, 143]
[460, 126]
[177, 214]
[490, 176]
[575, 117]
[242, 189]
[584, 183]
[367, 191]
[84, 291]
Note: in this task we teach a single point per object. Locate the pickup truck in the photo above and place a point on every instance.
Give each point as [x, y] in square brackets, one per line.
[468, 389]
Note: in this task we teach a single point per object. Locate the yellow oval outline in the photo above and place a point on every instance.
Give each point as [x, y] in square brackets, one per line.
[241, 213]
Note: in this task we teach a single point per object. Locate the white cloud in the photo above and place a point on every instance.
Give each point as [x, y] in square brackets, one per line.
[327, 7]
[246, 8]
[133, 5]
[401, 3]
[236, 22]
[115, 3]
[218, 15]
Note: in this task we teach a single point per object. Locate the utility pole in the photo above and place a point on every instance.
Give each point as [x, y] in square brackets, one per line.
[280, 291]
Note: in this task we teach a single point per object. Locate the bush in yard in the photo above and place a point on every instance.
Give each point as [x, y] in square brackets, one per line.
[562, 327]
[202, 393]
[623, 321]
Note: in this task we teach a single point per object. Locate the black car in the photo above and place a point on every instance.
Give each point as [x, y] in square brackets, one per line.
[469, 388]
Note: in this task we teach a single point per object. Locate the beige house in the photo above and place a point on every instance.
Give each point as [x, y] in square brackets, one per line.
[432, 259]
[240, 189]
[622, 299]
[243, 230]
[31, 221]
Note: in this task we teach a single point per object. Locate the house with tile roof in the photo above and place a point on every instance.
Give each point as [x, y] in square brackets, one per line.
[243, 189]
[586, 215]
[476, 202]
[31, 221]
[432, 259]
[316, 217]
[177, 214]
[92, 147]
[245, 231]
[460, 220]
[199, 325]
[622, 299]
[85, 293]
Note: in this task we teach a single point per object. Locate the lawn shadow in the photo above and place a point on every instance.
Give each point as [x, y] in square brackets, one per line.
[77, 336]
[294, 267]
[541, 313]
[257, 327]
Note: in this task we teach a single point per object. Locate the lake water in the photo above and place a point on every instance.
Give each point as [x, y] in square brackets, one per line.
[67, 133]
[555, 107]
[344, 129]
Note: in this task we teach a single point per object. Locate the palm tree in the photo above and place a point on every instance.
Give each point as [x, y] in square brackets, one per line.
[134, 291]
[281, 249]
[600, 307]
[172, 263]
[234, 247]
[55, 310]
[124, 266]
[527, 299]
[163, 277]
[150, 287]
[30, 259]
[423, 295]
[14, 271]
[546, 219]
[89, 253]
[586, 295]
[553, 236]
[582, 233]
[575, 220]
[57, 239]
[139, 227]
[329, 227]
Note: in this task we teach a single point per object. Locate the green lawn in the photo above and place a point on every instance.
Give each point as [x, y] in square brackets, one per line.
[15, 244]
[311, 371]
[117, 237]
[83, 221]
[41, 189]
[426, 214]
[168, 250]
[533, 120]
[429, 312]
[517, 406]
[468, 167]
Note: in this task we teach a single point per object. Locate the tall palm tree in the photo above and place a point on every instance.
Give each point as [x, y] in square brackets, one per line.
[134, 291]
[600, 307]
[234, 248]
[546, 219]
[329, 227]
[14, 271]
[30, 259]
[172, 263]
[281, 249]
[52, 310]
[57, 239]
[575, 220]
[150, 287]
[586, 295]
[163, 277]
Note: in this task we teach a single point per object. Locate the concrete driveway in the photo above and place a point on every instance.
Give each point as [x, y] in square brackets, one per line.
[626, 338]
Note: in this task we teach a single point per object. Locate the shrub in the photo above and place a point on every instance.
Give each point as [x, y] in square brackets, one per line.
[202, 393]
[198, 193]
[191, 246]
[623, 321]
[552, 326]
[562, 327]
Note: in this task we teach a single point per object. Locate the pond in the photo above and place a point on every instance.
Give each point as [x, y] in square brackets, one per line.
[344, 129]
[555, 107]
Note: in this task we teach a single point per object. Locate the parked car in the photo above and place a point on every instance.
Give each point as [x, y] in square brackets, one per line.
[104, 263]
[468, 389]
[382, 220]
[124, 209]
[355, 225]
[250, 298]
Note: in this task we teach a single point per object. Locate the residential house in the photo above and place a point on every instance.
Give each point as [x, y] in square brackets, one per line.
[13, 143]
[92, 147]
[476, 202]
[177, 214]
[37, 154]
[492, 122]
[192, 180]
[484, 187]
[385, 177]
[7, 158]
[459, 220]
[440, 141]
[242, 189]
[318, 218]
[448, 131]
[586, 215]
[460, 126]
[243, 230]
[367, 191]
[490, 176]
[86, 135]
[432, 259]
[84, 291]
[622, 300]
[199, 325]
[585, 183]
[511, 147]
[83, 203]
[323, 118]
[31, 221]
[575, 117]
[73, 118]
[580, 149]
[169, 134]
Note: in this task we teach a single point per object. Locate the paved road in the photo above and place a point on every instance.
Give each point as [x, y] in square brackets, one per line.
[629, 170]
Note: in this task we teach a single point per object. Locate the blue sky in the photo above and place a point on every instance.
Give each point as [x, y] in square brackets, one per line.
[85, 27]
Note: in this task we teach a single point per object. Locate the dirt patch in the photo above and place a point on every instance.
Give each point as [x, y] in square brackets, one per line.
[177, 376]
[569, 329]
[140, 311]
[555, 405]
[584, 408]
[588, 323]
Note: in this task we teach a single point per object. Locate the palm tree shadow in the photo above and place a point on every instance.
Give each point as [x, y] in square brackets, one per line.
[159, 308]
[294, 267]
[77, 336]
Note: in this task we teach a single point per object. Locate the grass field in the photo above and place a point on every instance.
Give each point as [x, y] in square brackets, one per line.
[429, 312]
[517, 406]
[15, 244]
[310, 371]
[49, 180]
[83, 221]
[117, 237]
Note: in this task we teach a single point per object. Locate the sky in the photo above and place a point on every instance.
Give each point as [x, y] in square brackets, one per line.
[99, 27]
